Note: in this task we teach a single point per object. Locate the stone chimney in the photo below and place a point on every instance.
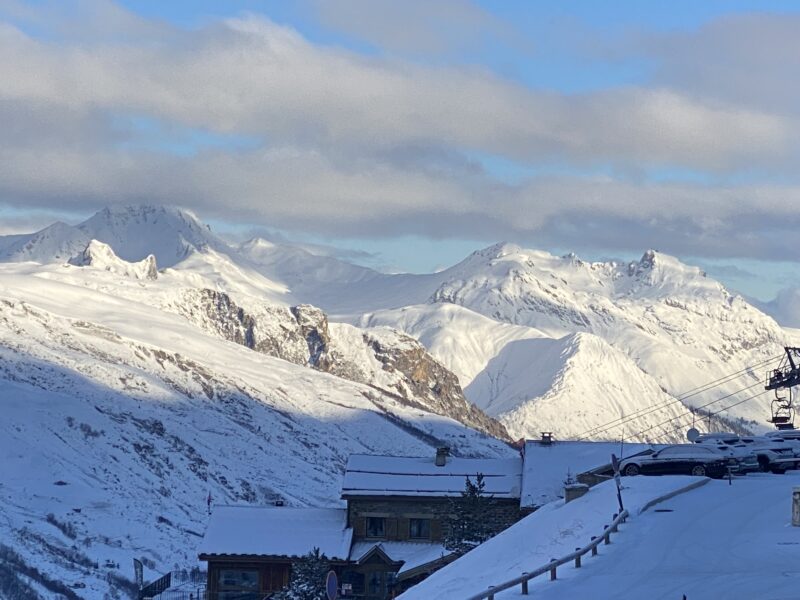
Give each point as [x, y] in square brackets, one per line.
[441, 456]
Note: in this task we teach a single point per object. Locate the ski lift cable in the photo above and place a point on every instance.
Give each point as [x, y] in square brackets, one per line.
[744, 389]
[652, 409]
[710, 414]
[684, 396]
[620, 421]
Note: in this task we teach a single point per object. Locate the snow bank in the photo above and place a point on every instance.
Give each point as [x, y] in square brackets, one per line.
[553, 531]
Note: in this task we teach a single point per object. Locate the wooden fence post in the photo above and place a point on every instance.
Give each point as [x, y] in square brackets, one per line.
[491, 593]
[594, 548]
[524, 584]
[577, 560]
[553, 570]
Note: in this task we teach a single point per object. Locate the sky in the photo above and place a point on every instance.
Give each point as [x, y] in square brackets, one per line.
[410, 133]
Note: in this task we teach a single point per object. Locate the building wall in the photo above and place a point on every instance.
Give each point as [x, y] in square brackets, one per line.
[229, 575]
[398, 511]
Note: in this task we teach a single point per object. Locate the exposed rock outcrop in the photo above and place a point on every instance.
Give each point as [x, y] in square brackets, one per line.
[382, 358]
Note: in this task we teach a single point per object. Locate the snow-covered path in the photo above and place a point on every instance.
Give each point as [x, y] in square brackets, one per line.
[719, 541]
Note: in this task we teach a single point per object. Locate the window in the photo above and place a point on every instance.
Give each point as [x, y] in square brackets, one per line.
[419, 529]
[376, 527]
[238, 579]
[380, 583]
[375, 585]
[238, 584]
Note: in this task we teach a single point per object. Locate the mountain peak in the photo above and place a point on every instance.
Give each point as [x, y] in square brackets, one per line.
[498, 250]
[101, 256]
[132, 231]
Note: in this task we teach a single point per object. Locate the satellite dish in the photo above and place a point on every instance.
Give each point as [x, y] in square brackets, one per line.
[692, 434]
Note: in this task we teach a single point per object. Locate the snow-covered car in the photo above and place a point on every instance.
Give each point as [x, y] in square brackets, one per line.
[786, 434]
[732, 445]
[774, 453]
[681, 459]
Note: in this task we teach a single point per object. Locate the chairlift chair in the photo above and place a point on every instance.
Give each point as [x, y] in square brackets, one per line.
[786, 376]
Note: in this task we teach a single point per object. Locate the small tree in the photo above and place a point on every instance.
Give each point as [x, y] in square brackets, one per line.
[467, 524]
[308, 578]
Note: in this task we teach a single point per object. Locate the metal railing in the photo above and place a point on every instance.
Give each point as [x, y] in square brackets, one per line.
[551, 567]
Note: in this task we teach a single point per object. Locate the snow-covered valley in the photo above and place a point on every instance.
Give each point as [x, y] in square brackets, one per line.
[147, 363]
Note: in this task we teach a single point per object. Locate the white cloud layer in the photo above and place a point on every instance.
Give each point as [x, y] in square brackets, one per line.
[346, 144]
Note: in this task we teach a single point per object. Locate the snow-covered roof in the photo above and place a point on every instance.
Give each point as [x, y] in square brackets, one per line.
[412, 554]
[367, 475]
[546, 466]
[277, 531]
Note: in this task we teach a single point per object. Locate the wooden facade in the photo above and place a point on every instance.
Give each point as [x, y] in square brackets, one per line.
[242, 577]
[417, 518]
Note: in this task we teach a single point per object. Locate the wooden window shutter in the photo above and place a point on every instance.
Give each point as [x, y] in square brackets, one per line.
[360, 527]
[403, 529]
[391, 529]
[436, 529]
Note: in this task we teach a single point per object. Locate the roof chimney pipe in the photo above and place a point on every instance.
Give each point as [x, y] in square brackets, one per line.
[441, 456]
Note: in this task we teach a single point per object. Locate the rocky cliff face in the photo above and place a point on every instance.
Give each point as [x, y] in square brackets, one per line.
[423, 377]
[382, 358]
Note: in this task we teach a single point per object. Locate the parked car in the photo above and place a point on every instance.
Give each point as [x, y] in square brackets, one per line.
[681, 459]
[746, 458]
[772, 454]
[786, 434]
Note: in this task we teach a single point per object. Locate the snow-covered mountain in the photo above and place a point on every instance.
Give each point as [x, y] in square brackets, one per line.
[134, 232]
[120, 418]
[130, 393]
[147, 362]
[667, 329]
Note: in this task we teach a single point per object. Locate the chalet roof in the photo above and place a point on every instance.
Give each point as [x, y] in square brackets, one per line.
[411, 554]
[546, 466]
[276, 531]
[367, 475]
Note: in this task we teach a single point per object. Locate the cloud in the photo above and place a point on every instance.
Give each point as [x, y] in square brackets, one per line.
[352, 145]
[750, 58]
[785, 308]
[250, 76]
[417, 27]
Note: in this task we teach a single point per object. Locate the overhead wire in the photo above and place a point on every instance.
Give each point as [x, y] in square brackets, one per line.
[621, 421]
[710, 414]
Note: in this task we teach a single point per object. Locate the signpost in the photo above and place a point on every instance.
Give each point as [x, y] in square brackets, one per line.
[332, 585]
[615, 466]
